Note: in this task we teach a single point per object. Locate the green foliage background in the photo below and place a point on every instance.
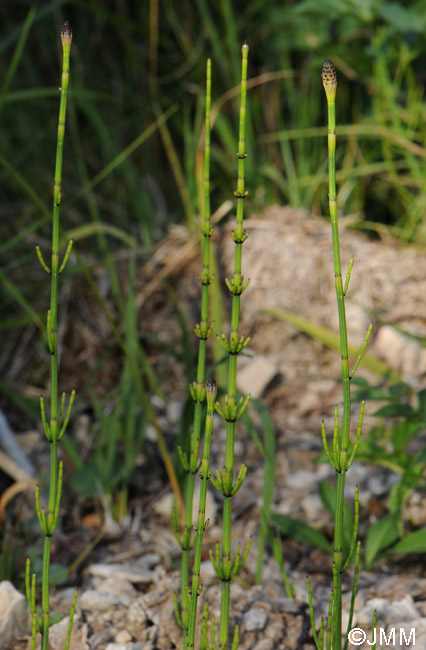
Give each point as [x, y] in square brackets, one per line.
[126, 73]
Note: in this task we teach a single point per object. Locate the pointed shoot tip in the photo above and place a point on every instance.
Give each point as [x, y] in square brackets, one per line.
[211, 390]
[329, 79]
[66, 33]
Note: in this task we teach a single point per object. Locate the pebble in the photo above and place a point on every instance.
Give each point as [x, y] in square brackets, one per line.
[365, 615]
[403, 610]
[401, 352]
[129, 646]
[97, 601]
[15, 619]
[255, 375]
[264, 644]
[313, 508]
[122, 572]
[174, 411]
[255, 619]
[301, 480]
[123, 637]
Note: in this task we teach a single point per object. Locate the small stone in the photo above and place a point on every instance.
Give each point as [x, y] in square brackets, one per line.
[301, 480]
[380, 605]
[58, 633]
[123, 637]
[129, 646]
[264, 644]
[313, 508]
[288, 605]
[401, 352]
[404, 630]
[97, 601]
[415, 510]
[381, 483]
[15, 619]
[402, 610]
[255, 376]
[255, 619]
[153, 633]
[174, 411]
[132, 574]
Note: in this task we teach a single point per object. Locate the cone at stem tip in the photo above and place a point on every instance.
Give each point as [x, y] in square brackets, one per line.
[329, 79]
[211, 390]
[66, 33]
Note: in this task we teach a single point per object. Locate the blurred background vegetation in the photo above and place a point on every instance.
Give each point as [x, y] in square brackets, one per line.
[137, 80]
[134, 146]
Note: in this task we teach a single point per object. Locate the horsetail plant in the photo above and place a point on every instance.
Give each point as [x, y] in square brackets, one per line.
[340, 456]
[202, 523]
[224, 565]
[59, 415]
[203, 329]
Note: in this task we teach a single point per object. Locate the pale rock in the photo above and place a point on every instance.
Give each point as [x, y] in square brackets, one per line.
[153, 634]
[403, 610]
[313, 508]
[123, 636]
[132, 574]
[415, 510]
[403, 353]
[58, 633]
[365, 615]
[15, 618]
[265, 644]
[301, 480]
[129, 646]
[97, 601]
[255, 619]
[255, 375]
[382, 482]
[174, 411]
[415, 628]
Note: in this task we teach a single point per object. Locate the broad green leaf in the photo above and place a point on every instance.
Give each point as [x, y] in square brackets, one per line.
[402, 18]
[301, 532]
[380, 535]
[403, 433]
[395, 410]
[397, 390]
[421, 410]
[412, 543]
[86, 481]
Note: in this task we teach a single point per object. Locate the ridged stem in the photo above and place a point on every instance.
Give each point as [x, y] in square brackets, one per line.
[59, 416]
[202, 331]
[236, 287]
[201, 523]
[330, 84]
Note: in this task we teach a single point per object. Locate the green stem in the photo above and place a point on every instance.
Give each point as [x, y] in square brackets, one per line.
[330, 84]
[202, 331]
[236, 287]
[201, 524]
[58, 420]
